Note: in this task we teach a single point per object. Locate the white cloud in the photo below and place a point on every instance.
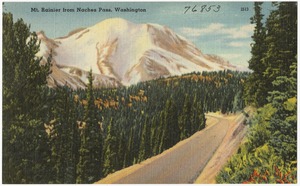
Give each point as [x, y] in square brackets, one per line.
[240, 32]
[244, 31]
[239, 60]
[238, 44]
[192, 32]
[213, 27]
[195, 32]
[230, 56]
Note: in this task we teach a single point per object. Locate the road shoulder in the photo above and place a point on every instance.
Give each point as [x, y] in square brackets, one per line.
[227, 148]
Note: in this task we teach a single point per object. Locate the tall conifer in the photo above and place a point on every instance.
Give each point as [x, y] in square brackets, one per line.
[255, 90]
[92, 141]
[24, 78]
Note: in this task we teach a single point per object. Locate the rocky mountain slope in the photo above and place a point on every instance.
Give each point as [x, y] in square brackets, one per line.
[123, 53]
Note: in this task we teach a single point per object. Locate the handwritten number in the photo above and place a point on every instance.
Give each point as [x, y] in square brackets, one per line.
[203, 8]
[194, 9]
[217, 9]
[208, 9]
[187, 8]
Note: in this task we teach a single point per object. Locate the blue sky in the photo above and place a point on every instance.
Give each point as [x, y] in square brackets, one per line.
[226, 33]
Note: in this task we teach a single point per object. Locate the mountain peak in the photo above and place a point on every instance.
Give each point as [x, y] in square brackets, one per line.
[116, 20]
[127, 53]
[114, 23]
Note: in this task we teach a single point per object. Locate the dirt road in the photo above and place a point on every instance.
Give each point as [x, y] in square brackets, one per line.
[185, 161]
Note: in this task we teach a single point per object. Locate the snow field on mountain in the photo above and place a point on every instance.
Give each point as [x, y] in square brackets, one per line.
[128, 53]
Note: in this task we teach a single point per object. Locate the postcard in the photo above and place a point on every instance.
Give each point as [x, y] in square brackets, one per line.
[149, 92]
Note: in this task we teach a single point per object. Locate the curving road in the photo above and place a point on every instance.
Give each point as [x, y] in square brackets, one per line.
[182, 163]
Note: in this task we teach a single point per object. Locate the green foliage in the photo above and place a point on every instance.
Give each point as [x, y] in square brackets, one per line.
[270, 153]
[23, 75]
[79, 136]
[64, 137]
[284, 130]
[86, 142]
[171, 131]
[184, 120]
[145, 146]
[255, 89]
[255, 161]
[283, 125]
[25, 147]
[273, 50]
[260, 166]
[111, 150]
[260, 133]
[25, 152]
[281, 175]
[281, 41]
[137, 129]
[90, 164]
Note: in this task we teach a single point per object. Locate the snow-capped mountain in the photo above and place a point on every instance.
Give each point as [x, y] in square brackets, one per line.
[123, 53]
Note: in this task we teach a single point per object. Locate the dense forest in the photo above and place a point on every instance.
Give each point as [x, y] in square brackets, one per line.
[269, 155]
[60, 135]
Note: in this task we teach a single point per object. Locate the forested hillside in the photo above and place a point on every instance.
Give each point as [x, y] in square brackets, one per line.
[269, 154]
[79, 136]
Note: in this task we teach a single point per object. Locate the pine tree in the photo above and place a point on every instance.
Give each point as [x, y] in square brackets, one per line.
[171, 131]
[283, 125]
[92, 141]
[145, 145]
[201, 120]
[255, 90]
[82, 166]
[184, 120]
[156, 134]
[23, 75]
[122, 151]
[128, 155]
[162, 138]
[281, 61]
[65, 137]
[281, 39]
[111, 149]
[197, 116]
[24, 78]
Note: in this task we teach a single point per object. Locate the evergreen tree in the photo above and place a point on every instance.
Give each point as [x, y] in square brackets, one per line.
[145, 145]
[184, 120]
[283, 125]
[92, 141]
[255, 90]
[281, 40]
[65, 137]
[122, 151]
[128, 155]
[82, 166]
[111, 149]
[171, 131]
[23, 75]
[161, 143]
[23, 81]
[273, 137]
[281, 61]
[198, 116]
[156, 134]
